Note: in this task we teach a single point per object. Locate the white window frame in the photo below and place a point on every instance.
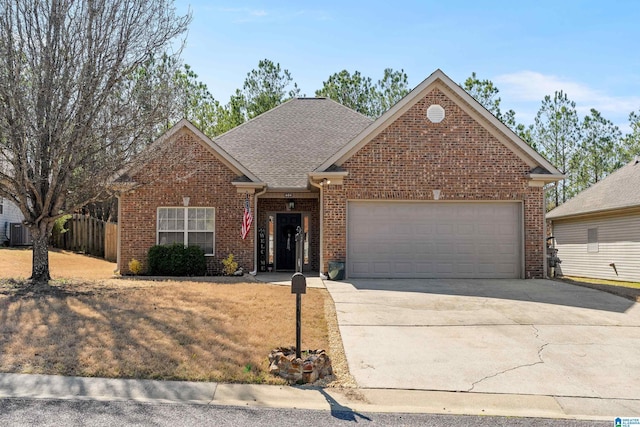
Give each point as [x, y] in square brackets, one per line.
[186, 230]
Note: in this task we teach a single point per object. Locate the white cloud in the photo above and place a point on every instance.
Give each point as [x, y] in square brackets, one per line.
[529, 86]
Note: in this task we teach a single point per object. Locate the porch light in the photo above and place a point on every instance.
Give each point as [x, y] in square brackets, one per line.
[185, 201]
[325, 182]
[436, 194]
[291, 205]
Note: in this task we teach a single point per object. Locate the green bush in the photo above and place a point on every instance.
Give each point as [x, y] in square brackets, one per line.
[176, 260]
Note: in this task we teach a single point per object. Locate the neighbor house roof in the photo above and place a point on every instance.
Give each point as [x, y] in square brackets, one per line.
[541, 169]
[620, 190]
[282, 145]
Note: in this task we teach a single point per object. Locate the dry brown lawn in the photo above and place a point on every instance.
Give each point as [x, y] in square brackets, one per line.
[16, 263]
[120, 328]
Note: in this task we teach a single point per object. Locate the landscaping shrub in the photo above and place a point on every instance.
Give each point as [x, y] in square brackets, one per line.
[176, 260]
[230, 266]
[135, 267]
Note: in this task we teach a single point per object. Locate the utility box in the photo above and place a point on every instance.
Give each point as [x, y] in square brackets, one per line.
[19, 235]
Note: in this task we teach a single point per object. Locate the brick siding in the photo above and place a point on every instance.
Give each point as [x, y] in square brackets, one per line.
[413, 156]
[187, 168]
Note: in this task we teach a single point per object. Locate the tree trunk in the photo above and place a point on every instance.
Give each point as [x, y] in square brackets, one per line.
[40, 267]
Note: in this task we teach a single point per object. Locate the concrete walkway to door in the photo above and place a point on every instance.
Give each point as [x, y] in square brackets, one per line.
[525, 337]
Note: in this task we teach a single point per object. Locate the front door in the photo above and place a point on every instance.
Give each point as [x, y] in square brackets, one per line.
[286, 225]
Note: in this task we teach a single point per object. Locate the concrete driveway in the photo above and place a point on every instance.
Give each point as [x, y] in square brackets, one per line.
[535, 337]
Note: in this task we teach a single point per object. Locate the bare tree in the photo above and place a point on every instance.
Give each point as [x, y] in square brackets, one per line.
[72, 111]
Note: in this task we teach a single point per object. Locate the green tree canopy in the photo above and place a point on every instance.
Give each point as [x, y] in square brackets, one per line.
[557, 134]
[486, 93]
[599, 151]
[265, 88]
[360, 93]
[631, 141]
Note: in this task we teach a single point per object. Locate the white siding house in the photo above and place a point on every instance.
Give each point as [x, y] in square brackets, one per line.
[597, 233]
[9, 213]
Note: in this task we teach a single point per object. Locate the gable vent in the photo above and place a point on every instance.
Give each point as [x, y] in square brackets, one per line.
[435, 113]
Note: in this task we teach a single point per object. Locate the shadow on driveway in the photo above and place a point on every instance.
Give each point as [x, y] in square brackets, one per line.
[539, 291]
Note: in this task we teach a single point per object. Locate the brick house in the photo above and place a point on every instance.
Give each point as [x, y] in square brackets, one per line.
[435, 187]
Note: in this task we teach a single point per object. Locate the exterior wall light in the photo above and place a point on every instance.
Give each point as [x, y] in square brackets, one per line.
[436, 194]
[185, 201]
[291, 205]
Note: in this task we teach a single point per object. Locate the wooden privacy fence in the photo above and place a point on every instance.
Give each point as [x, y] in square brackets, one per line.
[89, 235]
[111, 242]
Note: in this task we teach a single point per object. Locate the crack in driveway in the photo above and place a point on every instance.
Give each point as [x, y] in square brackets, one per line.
[536, 333]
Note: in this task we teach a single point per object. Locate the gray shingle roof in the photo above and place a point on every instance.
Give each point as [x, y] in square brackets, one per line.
[619, 190]
[284, 144]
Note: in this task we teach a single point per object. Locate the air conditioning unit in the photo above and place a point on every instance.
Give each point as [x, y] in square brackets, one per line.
[19, 235]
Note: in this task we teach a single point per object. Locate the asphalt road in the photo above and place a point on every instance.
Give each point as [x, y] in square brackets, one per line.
[39, 412]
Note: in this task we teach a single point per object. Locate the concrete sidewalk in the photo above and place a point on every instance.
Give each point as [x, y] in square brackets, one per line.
[351, 400]
[284, 279]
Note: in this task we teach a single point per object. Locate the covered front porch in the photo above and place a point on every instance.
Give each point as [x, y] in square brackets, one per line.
[279, 214]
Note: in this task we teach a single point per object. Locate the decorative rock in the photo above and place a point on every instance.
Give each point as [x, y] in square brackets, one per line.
[316, 365]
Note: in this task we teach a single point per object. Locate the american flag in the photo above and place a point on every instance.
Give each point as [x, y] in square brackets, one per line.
[247, 218]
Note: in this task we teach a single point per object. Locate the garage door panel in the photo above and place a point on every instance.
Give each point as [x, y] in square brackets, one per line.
[382, 268]
[403, 248]
[465, 249]
[453, 240]
[506, 269]
[444, 268]
[465, 229]
[423, 268]
[358, 268]
[403, 268]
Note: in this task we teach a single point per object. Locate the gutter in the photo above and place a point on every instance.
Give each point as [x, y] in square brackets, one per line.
[320, 187]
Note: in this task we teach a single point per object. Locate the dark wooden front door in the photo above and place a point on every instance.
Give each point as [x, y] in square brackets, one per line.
[286, 224]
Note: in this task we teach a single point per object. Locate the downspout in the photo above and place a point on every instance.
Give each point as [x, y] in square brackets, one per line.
[545, 265]
[255, 232]
[117, 270]
[319, 186]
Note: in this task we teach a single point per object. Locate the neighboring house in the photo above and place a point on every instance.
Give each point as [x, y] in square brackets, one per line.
[9, 214]
[597, 233]
[435, 187]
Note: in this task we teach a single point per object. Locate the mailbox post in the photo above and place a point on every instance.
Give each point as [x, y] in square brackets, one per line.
[298, 287]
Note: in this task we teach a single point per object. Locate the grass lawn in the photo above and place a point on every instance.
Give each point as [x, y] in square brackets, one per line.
[89, 324]
[629, 290]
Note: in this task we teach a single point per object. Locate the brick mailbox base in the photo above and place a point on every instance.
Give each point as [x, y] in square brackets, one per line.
[314, 365]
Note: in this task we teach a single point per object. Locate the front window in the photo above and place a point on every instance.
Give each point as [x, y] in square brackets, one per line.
[189, 226]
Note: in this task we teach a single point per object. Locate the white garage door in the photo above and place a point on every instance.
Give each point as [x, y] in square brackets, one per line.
[434, 239]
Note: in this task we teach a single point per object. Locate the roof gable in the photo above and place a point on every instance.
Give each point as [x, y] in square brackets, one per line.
[620, 190]
[235, 166]
[438, 80]
[284, 144]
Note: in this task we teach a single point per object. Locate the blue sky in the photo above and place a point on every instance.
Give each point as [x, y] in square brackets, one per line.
[528, 49]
